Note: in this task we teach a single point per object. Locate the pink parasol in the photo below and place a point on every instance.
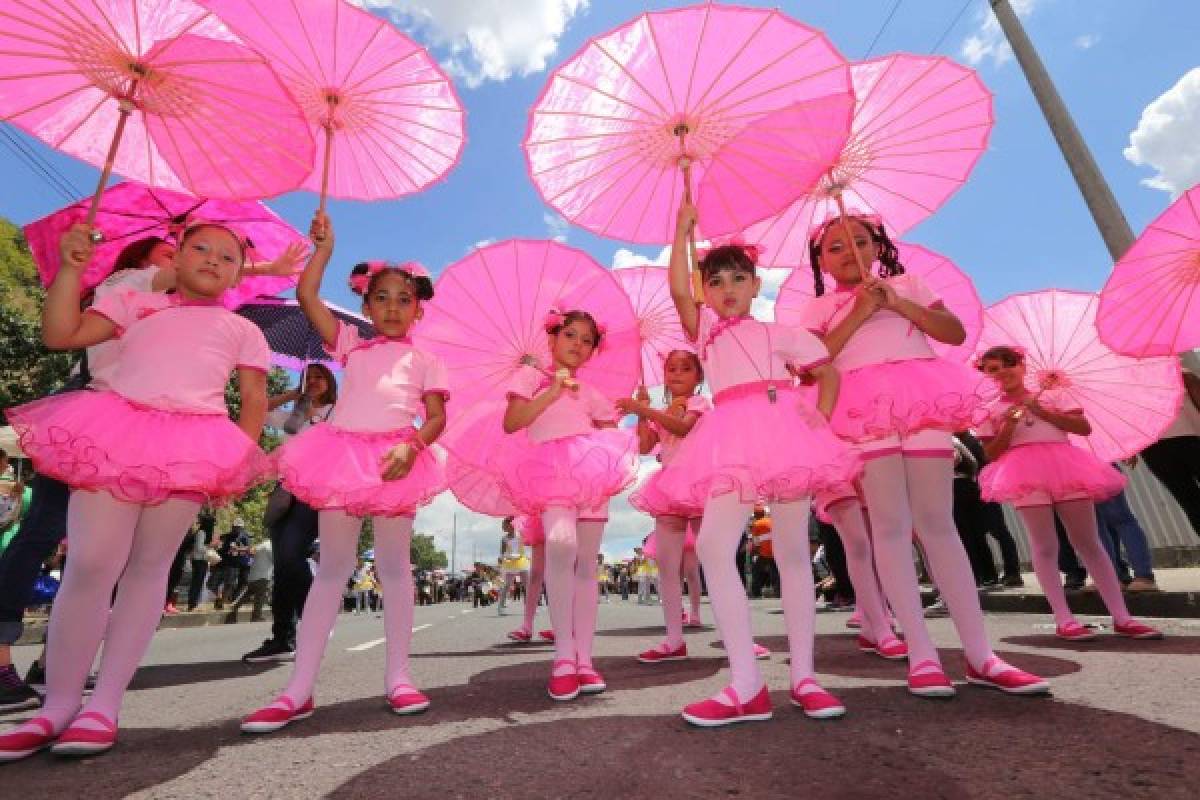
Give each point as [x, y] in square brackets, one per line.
[658, 322]
[1129, 401]
[1150, 305]
[389, 117]
[618, 122]
[130, 211]
[474, 486]
[920, 125]
[157, 90]
[487, 318]
[953, 286]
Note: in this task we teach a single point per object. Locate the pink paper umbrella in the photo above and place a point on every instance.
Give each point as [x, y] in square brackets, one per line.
[953, 286]
[131, 211]
[1150, 305]
[618, 122]
[157, 90]
[658, 322]
[920, 125]
[1128, 401]
[388, 115]
[474, 486]
[488, 315]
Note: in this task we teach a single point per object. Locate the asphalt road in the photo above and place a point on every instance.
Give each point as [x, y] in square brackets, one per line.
[1122, 722]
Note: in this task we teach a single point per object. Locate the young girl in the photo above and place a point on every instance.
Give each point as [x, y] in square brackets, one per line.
[899, 405]
[369, 460]
[683, 374]
[142, 455]
[1035, 467]
[564, 468]
[760, 442]
[532, 534]
[513, 563]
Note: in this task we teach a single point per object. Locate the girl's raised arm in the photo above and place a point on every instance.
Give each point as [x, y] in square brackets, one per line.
[308, 290]
[64, 326]
[680, 274]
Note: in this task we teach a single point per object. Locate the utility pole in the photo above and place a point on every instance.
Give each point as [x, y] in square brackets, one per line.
[454, 544]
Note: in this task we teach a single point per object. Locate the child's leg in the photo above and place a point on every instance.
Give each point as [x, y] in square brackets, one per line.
[588, 535]
[847, 517]
[561, 548]
[138, 606]
[533, 593]
[1043, 546]
[669, 533]
[724, 520]
[1079, 518]
[338, 535]
[790, 539]
[392, 562]
[691, 571]
[100, 532]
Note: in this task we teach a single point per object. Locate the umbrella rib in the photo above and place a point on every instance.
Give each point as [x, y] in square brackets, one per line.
[762, 69]
[274, 143]
[881, 136]
[645, 212]
[395, 63]
[595, 175]
[604, 189]
[587, 158]
[368, 140]
[890, 112]
[604, 93]
[386, 122]
[299, 67]
[661, 64]
[772, 90]
[104, 98]
[666, 112]
[617, 209]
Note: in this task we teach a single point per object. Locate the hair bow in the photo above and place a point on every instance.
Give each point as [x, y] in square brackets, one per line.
[752, 251]
[554, 318]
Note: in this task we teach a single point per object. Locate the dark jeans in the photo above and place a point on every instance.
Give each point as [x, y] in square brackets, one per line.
[237, 577]
[42, 528]
[997, 528]
[764, 573]
[1176, 463]
[291, 540]
[972, 529]
[257, 592]
[1117, 526]
[1068, 561]
[196, 587]
[176, 572]
[835, 557]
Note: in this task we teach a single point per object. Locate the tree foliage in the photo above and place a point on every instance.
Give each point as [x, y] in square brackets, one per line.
[424, 553]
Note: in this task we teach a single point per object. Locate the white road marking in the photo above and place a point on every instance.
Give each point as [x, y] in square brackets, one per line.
[358, 648]
[423, 627]
[468, 611]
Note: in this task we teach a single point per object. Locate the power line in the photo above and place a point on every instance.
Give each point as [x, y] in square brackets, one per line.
[887, 20]
[951, 26]
[55, 182]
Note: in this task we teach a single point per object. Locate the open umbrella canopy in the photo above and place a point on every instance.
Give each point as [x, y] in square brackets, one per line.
[659, 328]
[293, 341]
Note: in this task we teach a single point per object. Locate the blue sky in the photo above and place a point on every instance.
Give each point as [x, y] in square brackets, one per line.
[1018, 225]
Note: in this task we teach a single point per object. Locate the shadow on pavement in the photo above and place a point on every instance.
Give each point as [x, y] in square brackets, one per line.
[1109, 643]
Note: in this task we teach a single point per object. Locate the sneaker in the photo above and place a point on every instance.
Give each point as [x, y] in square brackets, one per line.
[1138, 585]
[889, 647]
[15, 746]
[1072, 631]
[590, 681]
[936, 609]
[854, 622]
[404, 699]
[816, 702]
[1136, 630]
[712, 713]
[657, 655]
[927, 679]
[997, 674]
[989, 586]
[16, 694]
[546, 635]
[563, 687]
[270, 650]
[1012, 581]
[279, 714]
[78, 740]
[520, 635]
[760, 652]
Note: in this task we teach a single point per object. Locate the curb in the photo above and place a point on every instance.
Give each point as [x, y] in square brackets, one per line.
[1184, 605]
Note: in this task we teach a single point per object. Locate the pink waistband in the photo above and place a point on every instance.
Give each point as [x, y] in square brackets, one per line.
[750, 389]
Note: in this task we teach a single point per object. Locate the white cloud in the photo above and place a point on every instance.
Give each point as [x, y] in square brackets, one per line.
[1166, 137]
[763, 306]
[556, 226]
[988, 42]
[1087, 41]
[477, 537]
[480, 244]
[486, 40]
[624, 259]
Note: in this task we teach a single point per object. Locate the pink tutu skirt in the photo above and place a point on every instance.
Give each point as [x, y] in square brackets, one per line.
[100, 441]
[329, 467]
[903, 397]
[1044, 473]
[649, 498]
[780, 451]
[580, 472]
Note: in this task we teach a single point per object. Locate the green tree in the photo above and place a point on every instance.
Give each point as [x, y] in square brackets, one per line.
[424, 553]
[20, 290]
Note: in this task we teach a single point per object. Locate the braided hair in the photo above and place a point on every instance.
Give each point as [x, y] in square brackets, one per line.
[421, 285]
[889, 256]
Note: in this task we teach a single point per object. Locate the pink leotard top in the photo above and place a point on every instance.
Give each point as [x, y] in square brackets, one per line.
[740, 350]
[573, 413]
[668, 443]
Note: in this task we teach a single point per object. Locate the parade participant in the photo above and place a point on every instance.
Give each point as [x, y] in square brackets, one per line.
[142, 455]
[514, 564]
[533, 534]
[369, 460]
[760, 442]
[899, 405]
[1039, 471]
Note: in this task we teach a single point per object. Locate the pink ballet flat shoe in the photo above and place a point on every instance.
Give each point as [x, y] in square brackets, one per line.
[997, 674]
[269, 719]
[404, 699]
[712, 713]
[889, 647]
[817, 703]
[1074, 632]
[546, 635]
[657, 655]
[520, 635]
[928, 680]
[15, 746]
[854, 621]
[590, 681]
[693, 621]
[761, 652]
[80, 741]
[563, 687]
[1136, 630]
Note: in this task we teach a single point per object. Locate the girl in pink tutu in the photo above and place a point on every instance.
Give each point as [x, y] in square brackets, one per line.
[666, 429]
[142, 455]
[369, 460]
[899, 404]
[534, 536]
[563, 462]
[760, 442]
[1035, 467]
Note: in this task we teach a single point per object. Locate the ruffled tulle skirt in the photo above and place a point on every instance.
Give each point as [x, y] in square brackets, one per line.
[328, 467]
[903, 397]
[580, 472]
[649, 498]
[1048, 472]
[780, 451]
[100, 441]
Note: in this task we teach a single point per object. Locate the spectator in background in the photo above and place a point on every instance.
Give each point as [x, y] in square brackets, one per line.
[764, 571]
[258, 585]
[1175, 458]
[1117, 525]
[199, 542]
[235, 563]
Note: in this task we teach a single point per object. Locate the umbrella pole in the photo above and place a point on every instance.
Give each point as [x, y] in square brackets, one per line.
[685, 164]
[125, 107]
[325, 166]
[836, 190]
